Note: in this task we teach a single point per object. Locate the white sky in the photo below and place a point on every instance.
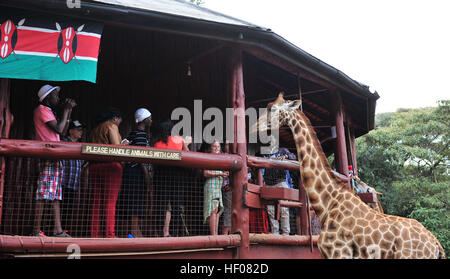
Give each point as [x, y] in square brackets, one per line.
[400, 48]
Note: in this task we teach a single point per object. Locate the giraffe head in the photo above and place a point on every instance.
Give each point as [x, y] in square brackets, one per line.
[277, 114]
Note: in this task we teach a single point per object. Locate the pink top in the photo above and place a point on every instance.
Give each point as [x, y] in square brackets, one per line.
[42, 115]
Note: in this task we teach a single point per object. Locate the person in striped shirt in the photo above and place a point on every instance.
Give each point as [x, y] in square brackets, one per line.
[135, 180]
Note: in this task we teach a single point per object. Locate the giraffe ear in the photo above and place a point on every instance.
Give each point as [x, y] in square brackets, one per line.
[295, 104]
[280, 99]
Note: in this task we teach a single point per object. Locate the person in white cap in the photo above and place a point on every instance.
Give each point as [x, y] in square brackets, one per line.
[143, 118]
[48, 128]
[135, 179]
[143, 115]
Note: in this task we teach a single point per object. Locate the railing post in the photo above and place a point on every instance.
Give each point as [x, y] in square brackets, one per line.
[240, 213]
[6, 119]
[304, 224]
[352, 146]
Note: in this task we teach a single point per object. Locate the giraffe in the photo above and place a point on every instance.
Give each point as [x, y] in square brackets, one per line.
[350, 228]
[364, 188]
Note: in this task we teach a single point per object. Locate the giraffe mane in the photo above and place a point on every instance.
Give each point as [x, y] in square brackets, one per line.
[341, 185]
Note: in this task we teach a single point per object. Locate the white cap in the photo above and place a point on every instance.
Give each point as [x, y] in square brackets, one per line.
[45, 90]
[141, 114]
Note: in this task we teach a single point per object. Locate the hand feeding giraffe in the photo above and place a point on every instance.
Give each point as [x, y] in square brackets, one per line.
[350, 228]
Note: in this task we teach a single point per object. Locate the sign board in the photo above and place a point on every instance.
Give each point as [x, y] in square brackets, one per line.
[131, 152]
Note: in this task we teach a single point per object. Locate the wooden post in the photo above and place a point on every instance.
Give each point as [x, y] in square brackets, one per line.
[6, 120]
[304, 224]
[341, 143]
[260, 178]
[240, 213]
[351, 137]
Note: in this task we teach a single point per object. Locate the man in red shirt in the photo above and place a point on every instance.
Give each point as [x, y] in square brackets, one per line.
[48, 128]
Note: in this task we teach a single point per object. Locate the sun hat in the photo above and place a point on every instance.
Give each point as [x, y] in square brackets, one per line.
[45, 90]
[141, 114]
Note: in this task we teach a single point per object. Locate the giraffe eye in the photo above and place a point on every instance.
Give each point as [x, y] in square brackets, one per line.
[295, 104]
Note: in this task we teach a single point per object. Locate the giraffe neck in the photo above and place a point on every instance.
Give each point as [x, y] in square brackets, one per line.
[324, 190]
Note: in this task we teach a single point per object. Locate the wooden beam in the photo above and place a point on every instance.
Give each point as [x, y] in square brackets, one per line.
[205, 53]
[279, 193]
[289, 95]
[341, 142]
[28, 244]
[256, 196]
[284, 203]
[272, 59]
[312, 116]
[258, 162]
[317, 107]
[291, 240]
[69, 150]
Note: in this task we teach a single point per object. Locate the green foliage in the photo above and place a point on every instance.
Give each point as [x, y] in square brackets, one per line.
[406, 158]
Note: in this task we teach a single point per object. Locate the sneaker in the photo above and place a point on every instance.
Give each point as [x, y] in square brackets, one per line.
[62, 234]
[130, 235]
[39, 234]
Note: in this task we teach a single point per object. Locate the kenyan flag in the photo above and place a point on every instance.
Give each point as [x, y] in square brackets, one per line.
[43, 47]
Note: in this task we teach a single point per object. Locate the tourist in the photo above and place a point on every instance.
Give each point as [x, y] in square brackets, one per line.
[278, 178]
[168, 182]
[105, 177]
[47, 128]
[212, 202]
[135, 180]
[71, 177]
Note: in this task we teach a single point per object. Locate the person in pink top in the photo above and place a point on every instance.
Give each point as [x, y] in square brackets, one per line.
[48, 128]
[169, 183]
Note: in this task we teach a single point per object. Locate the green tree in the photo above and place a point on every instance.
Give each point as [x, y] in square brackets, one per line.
[406, 158]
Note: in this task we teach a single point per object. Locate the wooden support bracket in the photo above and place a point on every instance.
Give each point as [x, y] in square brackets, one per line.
[256, 196]
[279, 193]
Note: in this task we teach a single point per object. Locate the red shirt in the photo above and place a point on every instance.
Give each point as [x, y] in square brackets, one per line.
[175, 142]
